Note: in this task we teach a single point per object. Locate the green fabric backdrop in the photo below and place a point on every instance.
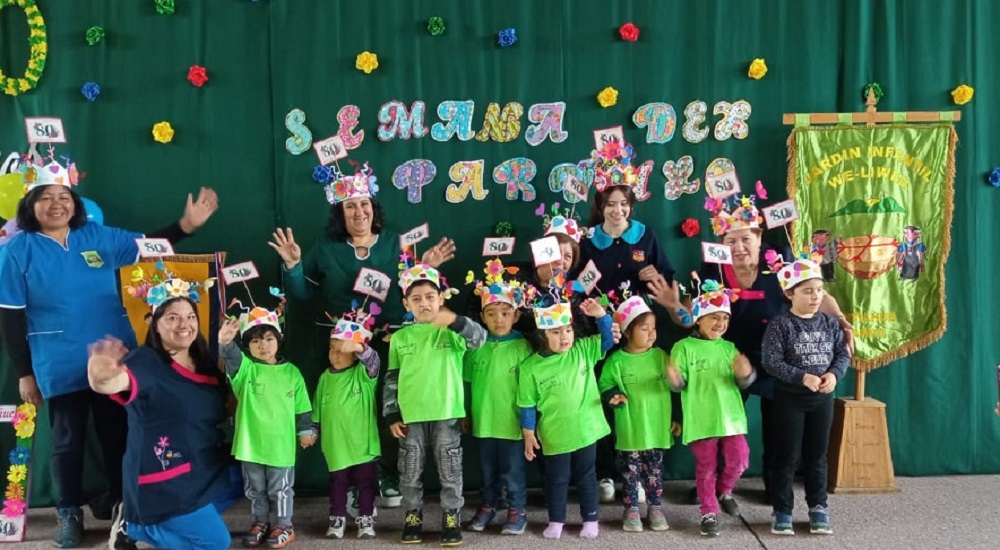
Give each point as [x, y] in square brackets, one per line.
[268, 57]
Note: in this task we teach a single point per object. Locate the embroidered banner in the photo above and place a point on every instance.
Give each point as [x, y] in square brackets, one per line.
[876, 206]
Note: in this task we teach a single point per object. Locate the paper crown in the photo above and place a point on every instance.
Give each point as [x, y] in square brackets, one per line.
[260, 316]
[357, 324]
[790, 274]
[341, 188]
[36, 172]
[629, 311]
[733, 213]
[612, 166]
[551, 307]
[714, 298]
[555, 222]
[162, 285]
[411, 273]
[493, 289]
[554, 316]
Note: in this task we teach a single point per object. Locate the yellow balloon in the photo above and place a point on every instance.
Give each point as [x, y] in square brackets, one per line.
[11, 193]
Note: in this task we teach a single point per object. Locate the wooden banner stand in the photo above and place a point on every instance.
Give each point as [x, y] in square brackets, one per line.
[860, 460]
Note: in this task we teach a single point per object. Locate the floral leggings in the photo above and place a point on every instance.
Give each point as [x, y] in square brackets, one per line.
[645, 467]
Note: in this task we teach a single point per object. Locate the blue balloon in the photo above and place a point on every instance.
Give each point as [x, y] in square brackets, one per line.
[94, 212]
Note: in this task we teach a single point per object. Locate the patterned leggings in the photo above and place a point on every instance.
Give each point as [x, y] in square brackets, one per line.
[645, 467]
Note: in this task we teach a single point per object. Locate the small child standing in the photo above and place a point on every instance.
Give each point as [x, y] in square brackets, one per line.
[709, 373]
[634, 382]
[272, 408]
[424, 398]
[558, 397]
[344, 418]
[492, 372]
[805, 350]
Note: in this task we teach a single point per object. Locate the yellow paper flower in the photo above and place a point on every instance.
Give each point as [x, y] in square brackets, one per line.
[608, 97]
[15, 491]
[367, 62]
[758, 68]
[963, 94]
[28, 410]
[17, 473]
[163, 132]
[25, 430]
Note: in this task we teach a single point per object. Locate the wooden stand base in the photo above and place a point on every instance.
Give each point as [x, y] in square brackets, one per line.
[859, 456]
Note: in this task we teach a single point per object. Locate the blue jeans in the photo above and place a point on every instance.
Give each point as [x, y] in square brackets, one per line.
[576, 467]
[502, 462]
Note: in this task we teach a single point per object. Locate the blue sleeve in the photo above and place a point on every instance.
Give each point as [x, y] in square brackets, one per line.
[529, 418]
[122, 244]
[13, 280]
[604, 327]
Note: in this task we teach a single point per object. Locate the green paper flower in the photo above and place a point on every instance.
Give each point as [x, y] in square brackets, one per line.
[95, 34]
[164, 7]
[876, 88]
[503, 229]
[435, 26]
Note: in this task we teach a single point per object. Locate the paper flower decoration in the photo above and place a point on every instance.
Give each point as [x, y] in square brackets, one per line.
[15, 491]
[963, 94]
[322, 174]
[507, 37]
[13, 508]
[608, 97]
[38, 49]
[91, 90]
[20, 455]
[94, 35]
[164, 7]
[163, 132]
[875, 88]
[758, 68]
[994, 177]
[435, 26]
[197, 76]
[629, 32]
[367, 62]
[503, 229]
[690, 227]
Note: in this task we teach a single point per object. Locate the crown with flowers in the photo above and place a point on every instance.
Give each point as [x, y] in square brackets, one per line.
[259, 316]
[713, 298]
[36, 172]
[792, 273]
[732, 213]
[162, 285]
[357, 325]
[612, 166]
[411, 273]
[342, 187]
[493, 289]
[630, 308]
[551, 307]
[560, 223]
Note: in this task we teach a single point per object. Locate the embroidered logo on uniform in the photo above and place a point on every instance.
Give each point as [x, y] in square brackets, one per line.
[164, 453]
[513, 370]
[638, 255]
[290, 394]
[93, 259]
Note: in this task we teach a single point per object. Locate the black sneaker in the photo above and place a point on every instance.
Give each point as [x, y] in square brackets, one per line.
[119, 539]
[451, 528]
[709, 525]
[102, 507]
[413, 527]
[69, 532]
[729, 505]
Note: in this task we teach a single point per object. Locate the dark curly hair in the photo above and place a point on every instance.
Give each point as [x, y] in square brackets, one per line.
[203, 363]
[27, 221]
[601, 199]
[336, 227]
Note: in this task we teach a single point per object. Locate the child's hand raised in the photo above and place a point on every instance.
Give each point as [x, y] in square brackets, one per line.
[306, 441]
[811, 381]
[591, 308]
[349, 346]
[618, 399]
[228, 331]
[445, 317]
[616, 332]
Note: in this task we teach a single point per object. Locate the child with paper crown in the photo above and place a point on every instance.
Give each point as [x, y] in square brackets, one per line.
[709, 373]
[344, 418]
[424, 397]
[557, 384]
[272, 409]
[806, 351]
[491, 372]
[633, 382]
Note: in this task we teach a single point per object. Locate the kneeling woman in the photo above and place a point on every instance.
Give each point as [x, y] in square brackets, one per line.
[177, 475]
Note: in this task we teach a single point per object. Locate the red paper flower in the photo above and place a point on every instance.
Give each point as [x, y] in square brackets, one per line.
[197, 75]
[690, 227]
[629, 32]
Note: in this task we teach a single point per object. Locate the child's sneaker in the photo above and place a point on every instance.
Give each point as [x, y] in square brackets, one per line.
[819, 521]
[729, 505]
[484, 515]
[632, 521]
[782, 524]
[451, 528]
[388, 489]
[336, 528]
[366, 527]
[657, 520]
[709, 525]
[257, 535]
[281, 536]
[606, 490]
[413, 527]
[516, 523]
[69, 532]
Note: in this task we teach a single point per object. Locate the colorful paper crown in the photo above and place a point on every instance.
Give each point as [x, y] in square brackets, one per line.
[612, 166]
[362, 184]
[36, 172]
[554, 316]
[356, 325]
[411, 273]
[713, 299]
[629, 311]
[551, 307]
[733, 213]
[790, 274]
[493, 289]
[162, 285]
[258, 316]
[555, 222]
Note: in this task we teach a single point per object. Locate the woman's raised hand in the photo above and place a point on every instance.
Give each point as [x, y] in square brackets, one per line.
[440, 253]
[284, 244]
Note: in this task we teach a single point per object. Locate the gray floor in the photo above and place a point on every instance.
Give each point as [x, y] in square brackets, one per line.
[929, 514]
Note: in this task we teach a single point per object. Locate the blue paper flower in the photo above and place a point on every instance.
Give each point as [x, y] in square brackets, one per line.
[91, 90]
[994, 177]
[322, 174]
[20, 455]
[507, 37]
[156, 296]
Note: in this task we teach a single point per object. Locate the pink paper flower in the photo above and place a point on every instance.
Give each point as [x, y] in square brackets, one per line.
[629, 32]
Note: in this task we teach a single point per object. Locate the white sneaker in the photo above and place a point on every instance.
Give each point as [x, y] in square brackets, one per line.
[606, 490]
[336, 529]
[642, 494]
[366, 527]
